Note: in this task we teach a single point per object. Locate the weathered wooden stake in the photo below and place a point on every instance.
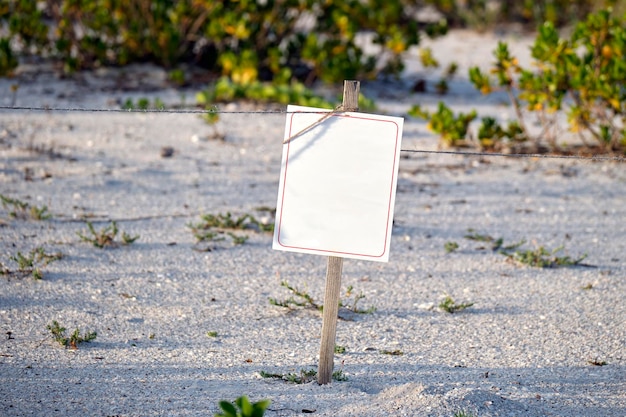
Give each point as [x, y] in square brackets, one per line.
[333, 272]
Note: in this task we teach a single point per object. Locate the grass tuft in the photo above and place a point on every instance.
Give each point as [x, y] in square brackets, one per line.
[396, 352]
[303, 299]
[21, 210]
[450, 306]
[305, 376]
[105, 237]
[218, 227]
[544, 258]
[71, 342]
[30, 264]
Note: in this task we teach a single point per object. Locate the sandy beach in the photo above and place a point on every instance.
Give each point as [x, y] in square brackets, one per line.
[183, 324]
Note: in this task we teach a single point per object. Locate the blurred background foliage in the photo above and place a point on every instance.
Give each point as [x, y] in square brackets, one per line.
[254, 40]
[272, 50]
[244, 40]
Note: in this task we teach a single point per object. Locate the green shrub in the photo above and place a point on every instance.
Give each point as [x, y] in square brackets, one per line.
[530, 13]
[243, 408]
[452, 128]
[583, 75]
[295, 92]
[8, 61]
[243, 40]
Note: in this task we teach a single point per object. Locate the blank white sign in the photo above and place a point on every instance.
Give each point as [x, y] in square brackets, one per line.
[338, 184]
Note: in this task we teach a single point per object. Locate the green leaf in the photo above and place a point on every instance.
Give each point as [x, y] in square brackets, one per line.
[228, 408]
[244, 405]
[260, 407]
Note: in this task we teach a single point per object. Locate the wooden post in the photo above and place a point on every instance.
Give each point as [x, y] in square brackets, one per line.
[333, 273]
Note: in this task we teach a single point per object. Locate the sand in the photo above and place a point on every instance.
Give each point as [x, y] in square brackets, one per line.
[182, 325]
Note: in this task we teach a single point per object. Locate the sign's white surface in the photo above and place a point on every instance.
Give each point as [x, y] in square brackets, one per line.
[338, 184]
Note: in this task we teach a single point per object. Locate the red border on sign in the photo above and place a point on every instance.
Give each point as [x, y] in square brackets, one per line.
[390, 191]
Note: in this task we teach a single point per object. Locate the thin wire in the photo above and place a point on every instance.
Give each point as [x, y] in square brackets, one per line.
[166, 111]
[521, 155]
[325, 113]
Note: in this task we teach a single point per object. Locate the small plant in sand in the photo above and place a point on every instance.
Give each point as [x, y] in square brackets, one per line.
[539, 257]
[218, 227]
[463, 413]
[351, 301]
[30, 264]
[21, 210]
[544, 258]
[495, 244]
[597, 362]
[105, 237]
[143, 104]
[71, 342]
[450, 306]
[339, 376]
[396, 352]
[305, 376]
[242, 407]
[340, 349]
[303, 299]
[450, 247]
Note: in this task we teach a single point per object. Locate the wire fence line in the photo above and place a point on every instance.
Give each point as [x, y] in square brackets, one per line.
[598, 158]
[595, 158]
[162, 111]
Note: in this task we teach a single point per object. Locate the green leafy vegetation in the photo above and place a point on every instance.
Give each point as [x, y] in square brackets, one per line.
[493, 137]
[351, 301]
[429, 62]
[143, 104]
[303, 377]
[294, 92]
[539, 257]
[8, 60]
[21, 210]
[218, 227]
[30, 264]
[303, 299]
[495, 244]
[339, 376]
[450, 246]
[244, 41]
[463, 413]
[395, 352]
[105, 237]
[242, 407]
[71, 342]
[484, 15]
[452, 128]
[450, 306]
[583, 76]
[543, 258]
